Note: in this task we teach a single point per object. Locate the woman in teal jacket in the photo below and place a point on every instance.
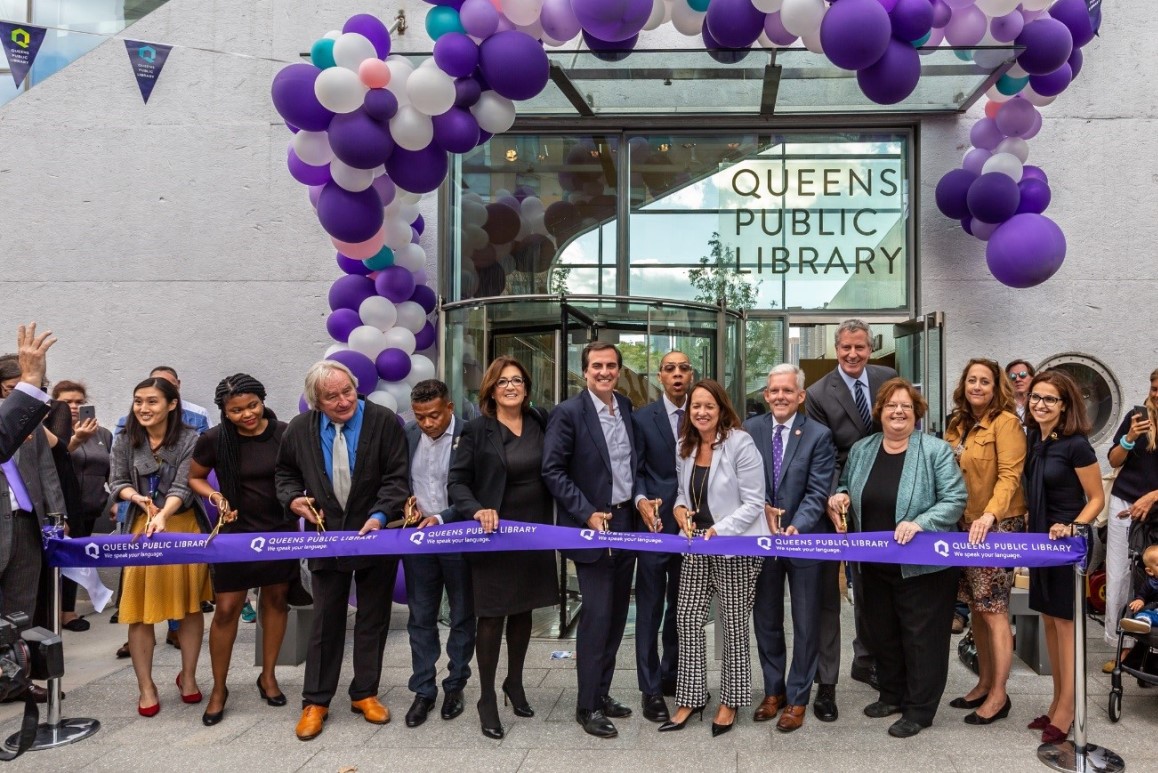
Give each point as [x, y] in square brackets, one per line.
[902, 481]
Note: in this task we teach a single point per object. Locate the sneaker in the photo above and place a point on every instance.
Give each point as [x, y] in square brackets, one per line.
[1135, 625]
[248, 615]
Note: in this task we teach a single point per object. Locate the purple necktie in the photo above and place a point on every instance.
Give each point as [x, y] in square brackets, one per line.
[16, 485]
[777, 457]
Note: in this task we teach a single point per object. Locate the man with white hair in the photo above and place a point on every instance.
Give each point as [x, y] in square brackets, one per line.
[346, 460]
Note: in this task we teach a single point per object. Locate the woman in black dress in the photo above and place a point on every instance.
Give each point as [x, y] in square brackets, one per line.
[1063, 486]
[243, 451]
[496, 470]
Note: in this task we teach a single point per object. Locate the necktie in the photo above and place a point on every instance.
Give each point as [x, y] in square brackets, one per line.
[16, 485]
[341, 474]
[862, 406]
[777, 457]
[679, 414]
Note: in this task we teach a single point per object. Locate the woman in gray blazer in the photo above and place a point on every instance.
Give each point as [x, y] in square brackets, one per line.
[721, 492]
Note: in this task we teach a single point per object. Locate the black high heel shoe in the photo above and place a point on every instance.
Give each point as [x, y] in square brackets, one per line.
[973, 718]
[718, 729]
[521, 708]
[272, 700]
[209, 720]
[671, 725]
[965, 703]
[488, 715]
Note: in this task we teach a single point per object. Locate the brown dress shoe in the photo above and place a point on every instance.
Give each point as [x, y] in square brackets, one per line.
[791, 719]
[372, 709]
[769, 707]
[310, 725]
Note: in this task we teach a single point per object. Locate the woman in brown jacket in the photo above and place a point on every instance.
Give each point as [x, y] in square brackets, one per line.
[990, 445]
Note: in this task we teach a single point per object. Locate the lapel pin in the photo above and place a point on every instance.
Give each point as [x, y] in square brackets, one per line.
[797, 433]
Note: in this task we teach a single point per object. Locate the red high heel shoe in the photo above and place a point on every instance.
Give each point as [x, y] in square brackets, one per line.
[149, 711]
[1053, 734]
[1039, 723]
[195, 697]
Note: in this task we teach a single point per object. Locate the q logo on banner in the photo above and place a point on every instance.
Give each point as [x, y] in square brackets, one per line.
[257, 545]
[941, 548]
[764, 542]
[92, 550]
[587, 534]
[417, 537]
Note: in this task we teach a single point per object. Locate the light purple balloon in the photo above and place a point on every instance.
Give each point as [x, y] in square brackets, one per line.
[774, 29]
[982, 230]
[361, 366]
[941, 14]
[558, 20]
[315, 194]
[1015, 117]
[985, 134]
[420, 277]
[612, 20]
[479, 18]
[1035, 128]
[1026, 250]
[967, 26]
[386, 189]
[1005, 29]
[975, 159]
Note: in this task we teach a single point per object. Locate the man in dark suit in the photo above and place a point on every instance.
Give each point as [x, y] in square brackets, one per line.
[842, 401]
[345, 458]
[799, 460]
[657, 575]
[432, 437]
[27, 405]
[589, 466]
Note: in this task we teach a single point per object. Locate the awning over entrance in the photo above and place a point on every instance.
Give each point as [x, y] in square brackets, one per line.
[758, 82]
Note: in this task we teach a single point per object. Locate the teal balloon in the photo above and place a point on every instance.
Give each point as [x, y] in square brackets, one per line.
[964, 55]
[384, 259]
[923, 39]
[1010, 86]
[698, 5]
[442, 19]
[322, 54]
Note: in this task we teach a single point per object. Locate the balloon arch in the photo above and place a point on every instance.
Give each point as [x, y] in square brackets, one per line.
[372, 133]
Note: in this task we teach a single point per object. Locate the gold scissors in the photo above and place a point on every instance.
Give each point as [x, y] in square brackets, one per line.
[224, 513]
[150, 510]
[320, 517]
[411, 512]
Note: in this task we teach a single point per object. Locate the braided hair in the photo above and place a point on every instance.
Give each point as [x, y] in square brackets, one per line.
[229, 441]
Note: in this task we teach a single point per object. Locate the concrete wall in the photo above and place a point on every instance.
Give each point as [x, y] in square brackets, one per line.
[171, 232]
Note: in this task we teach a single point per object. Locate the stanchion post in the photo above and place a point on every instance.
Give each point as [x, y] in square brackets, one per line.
[1079, 755]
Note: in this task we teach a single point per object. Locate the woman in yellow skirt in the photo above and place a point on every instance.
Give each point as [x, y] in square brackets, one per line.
[150, 470]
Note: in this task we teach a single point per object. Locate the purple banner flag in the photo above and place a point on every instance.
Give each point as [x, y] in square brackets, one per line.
[21, 45]
[926, 548]
[148, 59]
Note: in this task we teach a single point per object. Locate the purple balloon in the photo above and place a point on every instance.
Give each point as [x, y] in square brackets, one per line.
[1035, 196]
[349, 291]
[420, 277]
[775, 31]
[350, 216]
[1031, 172]
[854, 33]
[993, 198]
[466, 92]
[305, 173]
[341, 323]
[1054, 83]
[385, 187]
[952, 192]
[982, 230]
[1076, 16]
[419, 225]
[359, 140]
[415, 237]
[612, 20]
[1048, 44]
[293, 96]
[719, 52]
[514, 64]
[371, 28]
[1005, 29]
[418, 171]
[1035, 128]
[426, 298]
[502, 223]
[975, 159]
[609, 51]
[967, 225]
[395, 284]
[392, 364]
[478, 17]
[351, 266]
[911, 19]
[985, 134]
[361, 366]
[1026, 250]
[737, 23]
[303, 406]
[941, 14]
[315, 193]
[456, 54]
[456, 130]
[425, 338]
[483, 137]
[894, 76]
[1015, 118]
[380, 104]
[1075, 62]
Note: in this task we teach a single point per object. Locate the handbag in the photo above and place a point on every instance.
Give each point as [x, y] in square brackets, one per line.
[967, 651]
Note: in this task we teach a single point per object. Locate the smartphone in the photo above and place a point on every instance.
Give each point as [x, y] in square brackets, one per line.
[86, 412]
[1141, 411]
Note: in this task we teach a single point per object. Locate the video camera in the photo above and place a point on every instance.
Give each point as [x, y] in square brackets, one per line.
[27, 653]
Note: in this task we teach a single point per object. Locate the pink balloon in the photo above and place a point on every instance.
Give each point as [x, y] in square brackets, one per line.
[374, 73]
[362, 250]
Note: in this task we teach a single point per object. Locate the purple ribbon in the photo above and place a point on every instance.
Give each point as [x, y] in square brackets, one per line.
[926, 548]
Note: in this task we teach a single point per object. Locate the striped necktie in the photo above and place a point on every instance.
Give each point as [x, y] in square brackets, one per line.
[862, 406]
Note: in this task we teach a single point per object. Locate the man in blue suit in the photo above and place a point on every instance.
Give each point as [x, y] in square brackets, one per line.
[589, 466]
[23, 410]
[799, 460]
[657, 575]
[432, 437]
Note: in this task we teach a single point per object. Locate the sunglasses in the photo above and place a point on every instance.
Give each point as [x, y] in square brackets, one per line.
[672, 367]
[1019, 374]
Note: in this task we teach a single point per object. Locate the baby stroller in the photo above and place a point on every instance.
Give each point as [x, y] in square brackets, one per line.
[1142, 660]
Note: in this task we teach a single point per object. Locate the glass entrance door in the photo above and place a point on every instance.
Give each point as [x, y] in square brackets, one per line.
[921, 360]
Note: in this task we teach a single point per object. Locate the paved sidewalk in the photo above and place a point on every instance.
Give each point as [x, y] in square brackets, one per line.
[254, 736]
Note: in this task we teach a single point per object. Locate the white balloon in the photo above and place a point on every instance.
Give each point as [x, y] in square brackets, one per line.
[378, 312]
[368, 340]
[686, 19]
[400, 71]
[533, 205]
[1003, 163]
[383, 398]
[811, 41]
[534, 29]
[1015, 71]
[411, 316]
[765, 41]
[400, 391]
[995, 95]
[1036, 5]
[989, 59]
[1035, 99]
[313, 147]
[473, 213]
[350, 178]
[411, 257]
[430, 90]
[406, 197]
[411, 128]
[802, 17]
[494, 113]
[522, 12]
[421, 367]
[993, 8]
[658, 10]
[351, 49]
[400, 209]
[397, 233]
[339, 90]
[1014, 145]
[474, 238]
[397, 338]
[768, 6]
[334, 348]
[333, 34]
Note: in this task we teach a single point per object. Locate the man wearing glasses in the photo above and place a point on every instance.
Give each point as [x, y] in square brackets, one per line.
[657, 576]
[1020, 374]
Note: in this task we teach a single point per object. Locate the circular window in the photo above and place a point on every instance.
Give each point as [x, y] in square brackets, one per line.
[1099, 389]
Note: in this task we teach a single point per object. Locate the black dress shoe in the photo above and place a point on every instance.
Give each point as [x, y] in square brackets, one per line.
[718, 729]
[595, 723]
[824, 707]
[904, 728]
[209, 720]
[452, 704]
[667, 687]
[516, 696]
[416, 715]
[973, 718]
[880, 709]
[965, 703]
[867, 675]
[655, 708]
[488, 716]
[614, 709]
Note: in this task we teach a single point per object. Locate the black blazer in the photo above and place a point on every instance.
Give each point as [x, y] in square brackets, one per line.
[478, 466]
[19, 415]
[656, 446]
[379, 481]
[830, 402]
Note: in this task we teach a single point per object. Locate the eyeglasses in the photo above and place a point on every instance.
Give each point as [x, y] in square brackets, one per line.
[902, 407]
[512, 381]
[1049, 400]
[1013, 375]
[671, 367]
